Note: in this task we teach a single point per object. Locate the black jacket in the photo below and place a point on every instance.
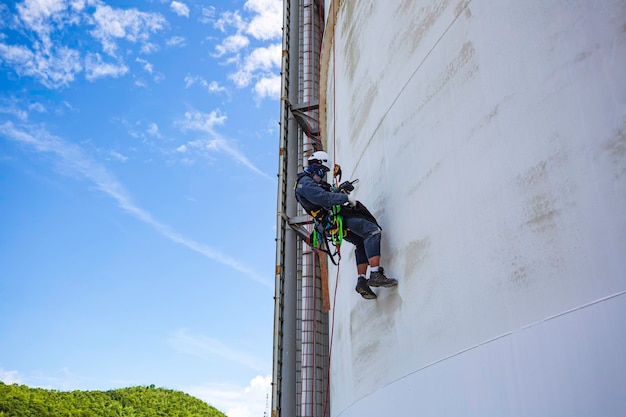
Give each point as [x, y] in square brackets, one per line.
[317, 199]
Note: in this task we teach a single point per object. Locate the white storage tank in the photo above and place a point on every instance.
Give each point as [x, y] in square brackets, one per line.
[489, 138]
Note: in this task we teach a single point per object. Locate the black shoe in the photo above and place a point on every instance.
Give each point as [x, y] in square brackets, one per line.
[378, 279]
[364, 289]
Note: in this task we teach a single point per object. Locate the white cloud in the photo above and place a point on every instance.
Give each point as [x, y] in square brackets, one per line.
[259, 66]
[32, 12]
[79, 5]
[203, 122]
[68, 106]
[241, 78]
[268, 87]
[265, 58]
[129, 24]
[39, 17]
[146, 65]
[15, 107]
[234, 401]
[14, 110]
[62, 379]
[189, 81]
[179, 8]
[268, 22]
[231, 44]
[206, 347]
[117, 156]
[212, 87]
[261, 59]
[208, 13]
[153, 130]
[95, 68]
[54, 69]
[218, 143]
[175, 41]
[148, 48]
[16, 55]
[10, 377]
[131, 128]
[38, 107]
[230, 19]
[215, 87]
[55, 65]
[72, 159]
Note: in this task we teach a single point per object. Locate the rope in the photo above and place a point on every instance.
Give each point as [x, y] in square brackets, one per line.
[330, 347]
[332, 324]
[313, 272]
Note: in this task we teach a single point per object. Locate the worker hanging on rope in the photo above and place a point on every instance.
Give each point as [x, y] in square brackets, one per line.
[340, 216]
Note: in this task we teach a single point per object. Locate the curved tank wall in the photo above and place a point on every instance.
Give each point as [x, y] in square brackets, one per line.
[489, 137]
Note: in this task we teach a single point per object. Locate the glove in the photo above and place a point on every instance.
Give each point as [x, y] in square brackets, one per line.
[346, 187]
[351, 201]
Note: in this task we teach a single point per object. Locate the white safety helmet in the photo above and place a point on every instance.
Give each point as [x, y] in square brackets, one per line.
[321, 158]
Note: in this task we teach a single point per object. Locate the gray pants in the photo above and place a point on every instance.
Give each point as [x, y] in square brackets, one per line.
[365, 236]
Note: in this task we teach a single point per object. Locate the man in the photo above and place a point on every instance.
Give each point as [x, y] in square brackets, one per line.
[316, 196]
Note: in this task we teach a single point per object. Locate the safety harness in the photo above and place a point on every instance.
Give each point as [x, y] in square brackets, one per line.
[328, 228]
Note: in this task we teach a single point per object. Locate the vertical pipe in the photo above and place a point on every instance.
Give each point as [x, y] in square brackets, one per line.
[285, 296]
[309, 71]
[288, 398]
[306, 302]
[296, 390]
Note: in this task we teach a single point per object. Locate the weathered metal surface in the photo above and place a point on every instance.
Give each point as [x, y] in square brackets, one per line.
[489, 137]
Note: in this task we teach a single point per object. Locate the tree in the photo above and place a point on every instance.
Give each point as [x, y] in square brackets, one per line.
[20, 401]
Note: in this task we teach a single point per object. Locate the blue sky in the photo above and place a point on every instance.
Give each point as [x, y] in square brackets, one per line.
[138, 158]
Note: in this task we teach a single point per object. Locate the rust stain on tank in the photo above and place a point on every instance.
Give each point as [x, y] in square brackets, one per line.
[493, 113]
[364, 105]
[519, 275]
[354, 14]
[465, 55]
[543, 214]
[540, 203]
[368, 350]
[425, 18]
[416, 254]
[425, 178]
[462, 7]
[535, 175]
[616, 149]
[617, 146]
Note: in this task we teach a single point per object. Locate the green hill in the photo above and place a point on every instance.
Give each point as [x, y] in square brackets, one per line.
[22, 401]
